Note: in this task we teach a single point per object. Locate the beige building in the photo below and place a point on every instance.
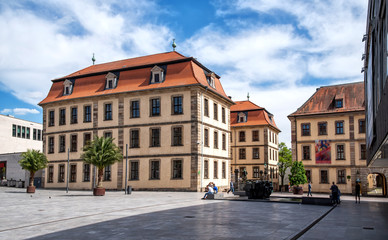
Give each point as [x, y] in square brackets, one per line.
[254, 142]
[328, 135]
[170, 110]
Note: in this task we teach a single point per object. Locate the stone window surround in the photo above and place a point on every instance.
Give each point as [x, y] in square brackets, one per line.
[110, 78]
[344, 176]
[304, 133]
[150, 169]
[344, 151]
[155, 71]
[172, 136]
[67, 87]
[172, 168]
[131, 115]
[173, 104]
[320, 176]
[319, 130]
[309, 146]
[130, 170]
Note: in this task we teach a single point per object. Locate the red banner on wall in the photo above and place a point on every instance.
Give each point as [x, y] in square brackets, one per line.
[322, 151]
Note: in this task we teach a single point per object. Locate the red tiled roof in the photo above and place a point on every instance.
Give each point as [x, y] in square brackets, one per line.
[181, 73]
[256, 115]
[323, 100]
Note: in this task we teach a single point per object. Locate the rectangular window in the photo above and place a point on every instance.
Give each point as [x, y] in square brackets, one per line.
[223, 170]
[134, 174]
[215, 108]
[34, 134]
[339, 127]
[177, 169]
[13, 130]
[87, 138]
[39, 135]
[255, 153]
[306, 153]
[155, 169]
[206, 107]
[62, 143]
[241, 136]
[87, 113]
[50, 177]
[324, 177]
[155, 137]
[308, 175]
[19, 131]
[322, 128]
[135, 109]
[28, 133]
[215, 172]
[86, 172]
[62, 116]
[215, 140]
[206, 169]
[74, 115]
[108, 111]
[223, 115]
[242, 153]
[23, 132]
[61, 173]
[256, 172]
[135, 138]
[155, 107]
[340, 152]
[73, 146]
[341, 179]
[108, 134]
[51, 145]
[73, 173]
[305, 129]
[255, 135]
[339, 103]
[177, 136]
[223, 141]
[363, 152]
[177, 107]
[51, 118]
[107, 173]
[361, 126]
[206, 137]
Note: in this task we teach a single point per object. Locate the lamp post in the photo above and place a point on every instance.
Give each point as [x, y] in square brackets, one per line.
[236, 177]
[266, 171]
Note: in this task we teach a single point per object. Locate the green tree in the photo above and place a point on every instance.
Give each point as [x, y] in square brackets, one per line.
[285, 160]
[298, 174]
[32, 161]
[101, 152]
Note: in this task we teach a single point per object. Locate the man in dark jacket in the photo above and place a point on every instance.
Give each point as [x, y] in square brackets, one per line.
[334, 193]
[358, 191]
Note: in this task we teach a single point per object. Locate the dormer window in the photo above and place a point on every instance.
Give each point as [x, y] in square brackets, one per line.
[210, 79]
[241, 117]
[67, 87]
[339, 103]
[111, 81]
[157, 74]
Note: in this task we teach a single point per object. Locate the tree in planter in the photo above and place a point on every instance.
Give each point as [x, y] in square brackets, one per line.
[297, 176]
[32, 161]
[101, 152]
[285, 161]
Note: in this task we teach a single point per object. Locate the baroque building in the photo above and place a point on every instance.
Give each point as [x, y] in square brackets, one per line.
[254, 142]
[328, 136]
[166, 108]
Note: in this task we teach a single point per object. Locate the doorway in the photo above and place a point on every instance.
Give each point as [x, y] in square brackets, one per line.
[376, 185]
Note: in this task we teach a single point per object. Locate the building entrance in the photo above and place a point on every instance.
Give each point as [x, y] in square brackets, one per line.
[376, 185]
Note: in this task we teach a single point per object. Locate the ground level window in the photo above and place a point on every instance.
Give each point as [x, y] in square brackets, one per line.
[73, 173]
[134, 174]
[341, 177]
[50, 174]
[86, 172]
[256, 171]
[324, 177]
[155, 170]
[177, 169]
[107, 173]
[61, 173]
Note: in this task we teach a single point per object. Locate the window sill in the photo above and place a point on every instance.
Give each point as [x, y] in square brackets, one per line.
[74, 123]
[134, 117]
[340, 159]
[155, 115]
[86, 181]
[153, 179]
[176, 178]
[342, 183]
[133, 180]
[134, 147]
[181, 145]
[154, 146]
[87, 121]
[177, 114]
[108, 119]
[306, 159]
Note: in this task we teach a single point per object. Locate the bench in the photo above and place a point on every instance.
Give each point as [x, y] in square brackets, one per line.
[215, 196]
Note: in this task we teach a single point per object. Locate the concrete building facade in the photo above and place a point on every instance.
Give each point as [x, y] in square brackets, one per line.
[328, 136]
[254, 142]
[166, 108]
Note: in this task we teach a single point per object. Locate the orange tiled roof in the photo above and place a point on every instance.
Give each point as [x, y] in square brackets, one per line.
[256, 115]
[323, 100]
[91, 81]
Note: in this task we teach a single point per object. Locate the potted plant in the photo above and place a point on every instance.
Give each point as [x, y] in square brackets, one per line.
[101, 152]
[297, 176]
[348, 177]
[32, 161]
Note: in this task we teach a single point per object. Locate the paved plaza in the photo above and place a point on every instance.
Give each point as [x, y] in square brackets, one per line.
[54, 214]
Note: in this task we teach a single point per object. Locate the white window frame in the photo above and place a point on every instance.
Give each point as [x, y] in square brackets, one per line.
[157, 70]
[67, 84]
[111, 77]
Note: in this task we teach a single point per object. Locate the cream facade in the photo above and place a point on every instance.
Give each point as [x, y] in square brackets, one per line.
[163, 129]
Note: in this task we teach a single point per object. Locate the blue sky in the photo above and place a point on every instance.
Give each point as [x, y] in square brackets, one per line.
[278, 51]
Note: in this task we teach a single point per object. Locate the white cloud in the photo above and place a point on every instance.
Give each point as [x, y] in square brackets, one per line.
[19, 111]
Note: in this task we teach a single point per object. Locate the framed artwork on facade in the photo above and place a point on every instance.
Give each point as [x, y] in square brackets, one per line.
[322, 151]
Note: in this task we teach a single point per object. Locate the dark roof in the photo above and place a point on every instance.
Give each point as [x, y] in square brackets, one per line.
[323, 100]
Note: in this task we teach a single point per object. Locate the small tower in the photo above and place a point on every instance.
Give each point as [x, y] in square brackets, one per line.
[173, 44]
[93, 59]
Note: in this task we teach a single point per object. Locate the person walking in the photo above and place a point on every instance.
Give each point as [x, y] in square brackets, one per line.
[309, 192]
[231, 187]
[334, 193]
[358, 192]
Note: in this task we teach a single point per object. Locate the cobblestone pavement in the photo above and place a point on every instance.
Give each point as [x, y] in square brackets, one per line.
[54, 214]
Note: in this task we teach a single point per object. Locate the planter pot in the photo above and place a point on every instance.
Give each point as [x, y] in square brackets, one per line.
[298, 190]
[31, 189]
[99, 191]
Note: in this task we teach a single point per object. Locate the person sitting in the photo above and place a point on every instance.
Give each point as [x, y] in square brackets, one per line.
[210, 192]
[215, 189]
